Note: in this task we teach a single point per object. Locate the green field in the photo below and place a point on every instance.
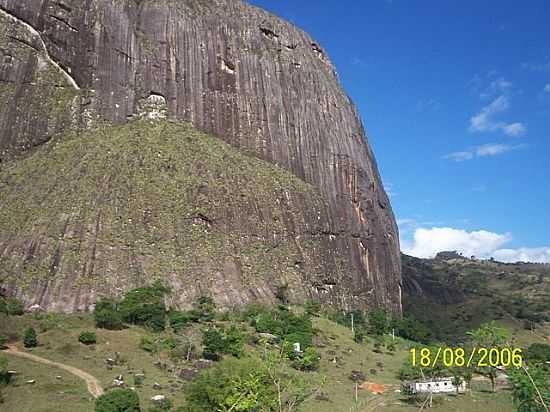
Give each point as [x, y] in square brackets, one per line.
[58, 337]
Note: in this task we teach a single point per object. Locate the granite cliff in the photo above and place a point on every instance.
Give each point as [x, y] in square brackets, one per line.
[75, 78]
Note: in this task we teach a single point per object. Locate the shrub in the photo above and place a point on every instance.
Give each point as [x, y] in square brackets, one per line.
[118, 400]
[147, 343]
[239, 385]
[286, 325]
[205, 308]
[217, 342]
[313, 307]
[3, 341]
[11, 306]
[180, 320]
[378, 322]
[106, 315]
[309, 361]
[234, 342]
[538, 352]
[87, 338]
[213, 342]
[29, 338]
[145, 306]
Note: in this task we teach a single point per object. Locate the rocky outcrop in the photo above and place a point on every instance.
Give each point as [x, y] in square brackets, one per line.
[230, 69]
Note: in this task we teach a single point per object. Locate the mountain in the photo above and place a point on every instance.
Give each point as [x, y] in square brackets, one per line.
[80, 82]
[452, 294]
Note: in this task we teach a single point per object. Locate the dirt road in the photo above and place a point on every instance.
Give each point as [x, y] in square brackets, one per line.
[94, 386]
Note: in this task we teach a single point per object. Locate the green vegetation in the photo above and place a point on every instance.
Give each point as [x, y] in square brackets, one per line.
[106, 315]
[118, 400]
[538, 353]
[531, 389]
[87, 338]
[30, 339]
[11, 306]
[145, 306]
[217, 342]
[460, 294]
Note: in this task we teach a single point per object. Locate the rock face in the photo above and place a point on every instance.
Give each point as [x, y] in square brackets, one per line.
[230, 69]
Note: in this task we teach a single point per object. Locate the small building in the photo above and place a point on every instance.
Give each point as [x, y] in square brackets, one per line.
[437, 385]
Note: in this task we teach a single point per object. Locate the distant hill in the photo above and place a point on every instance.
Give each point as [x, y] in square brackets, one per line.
[453, 294]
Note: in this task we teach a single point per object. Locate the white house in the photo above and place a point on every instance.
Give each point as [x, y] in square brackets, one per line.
[436, 385]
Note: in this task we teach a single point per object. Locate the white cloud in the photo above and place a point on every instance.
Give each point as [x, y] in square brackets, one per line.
[428, 242]
[491, 149]
[484, 121]
[459, 156]
[547, 88]
[483, 244]
[498, 86]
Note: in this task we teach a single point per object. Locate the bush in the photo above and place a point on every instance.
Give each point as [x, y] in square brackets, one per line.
[234, 342]
[217, 342]
[205, 308]
[106, 315]
[29, 339]
[118, 400]
[3, 341]
[538, 352]
[378, 322]
[87, 338]
[213, 342]
[309, 361]
[180, 320]
[11, 306]
[286, 325]
[145, 306]
[238, 385]
[313, 307]
[147, 343]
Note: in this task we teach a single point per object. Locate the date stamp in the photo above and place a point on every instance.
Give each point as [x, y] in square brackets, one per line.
[447, 357]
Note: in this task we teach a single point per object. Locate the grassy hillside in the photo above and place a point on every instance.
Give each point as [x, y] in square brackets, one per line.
[330, 386]
[453, 296]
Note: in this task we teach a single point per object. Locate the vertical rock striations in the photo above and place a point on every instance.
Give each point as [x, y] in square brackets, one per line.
[232, 70]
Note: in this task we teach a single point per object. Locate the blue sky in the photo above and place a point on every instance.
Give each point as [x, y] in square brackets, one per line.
[455, 98]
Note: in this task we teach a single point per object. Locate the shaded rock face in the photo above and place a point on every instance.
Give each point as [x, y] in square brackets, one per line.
[231, 70]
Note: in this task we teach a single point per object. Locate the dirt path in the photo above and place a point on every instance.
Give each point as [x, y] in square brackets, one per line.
[94, 386]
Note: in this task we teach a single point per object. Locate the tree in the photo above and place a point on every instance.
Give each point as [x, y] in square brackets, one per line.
[378, 322]
[457, 381]
[145, 306]
[213, 342]
[489, 336]
[118, 400]
[106, 315]
[531, 389]
[29, 338]
[232, 385]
